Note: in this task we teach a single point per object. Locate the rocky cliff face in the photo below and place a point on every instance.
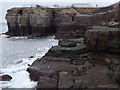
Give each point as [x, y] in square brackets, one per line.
[29, 21]
[63, 22]
[103, 44]
[103, 39]
[81, 66]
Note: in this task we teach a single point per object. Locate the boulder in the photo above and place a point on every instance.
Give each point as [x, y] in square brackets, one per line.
[5, 78]
[66, 43]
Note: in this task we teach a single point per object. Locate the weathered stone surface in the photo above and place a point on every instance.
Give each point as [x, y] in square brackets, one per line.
[5, 78]
[80, 84]
[84, 20]
[103, 39]
[115, 70]
[65, 80]
[50, 58]
[87, 74]
[113, 24]
[28, 21]
[45, 67]
[102, 57]
[63, 22]
[45, 82]
[96, 77]
[66, 43]
[105, 17]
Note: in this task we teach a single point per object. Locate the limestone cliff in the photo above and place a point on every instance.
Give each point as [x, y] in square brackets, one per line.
[63, 22]
[29, 21]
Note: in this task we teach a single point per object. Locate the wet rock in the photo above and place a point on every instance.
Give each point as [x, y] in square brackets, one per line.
[45, 82]
[65, 80]
[5, 78]
[28, 64]
[36, 73]
[31, 57]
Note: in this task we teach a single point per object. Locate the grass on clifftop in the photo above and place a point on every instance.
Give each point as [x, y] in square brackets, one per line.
[78, 47]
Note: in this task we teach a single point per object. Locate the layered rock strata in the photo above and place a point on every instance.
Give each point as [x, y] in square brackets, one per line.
[63, 22]
[73, 67]
[103, 39]
[29, 21]
[103, 44]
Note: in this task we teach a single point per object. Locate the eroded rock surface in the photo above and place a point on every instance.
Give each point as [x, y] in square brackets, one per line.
[28, 21]
[103, 38]
[103, 44]
[62, 22]
[67, 69]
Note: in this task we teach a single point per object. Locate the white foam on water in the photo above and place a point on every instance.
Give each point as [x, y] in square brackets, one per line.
[3, 35]
[20, 77]
[20, 37]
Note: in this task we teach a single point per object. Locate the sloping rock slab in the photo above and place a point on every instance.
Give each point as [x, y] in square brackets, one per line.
[43, 67]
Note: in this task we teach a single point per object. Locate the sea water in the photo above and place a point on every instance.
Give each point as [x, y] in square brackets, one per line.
[15, 55]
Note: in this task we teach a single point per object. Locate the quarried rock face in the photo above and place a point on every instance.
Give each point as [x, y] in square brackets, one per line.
[104, 46]
[103, 38]
[28, 21]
